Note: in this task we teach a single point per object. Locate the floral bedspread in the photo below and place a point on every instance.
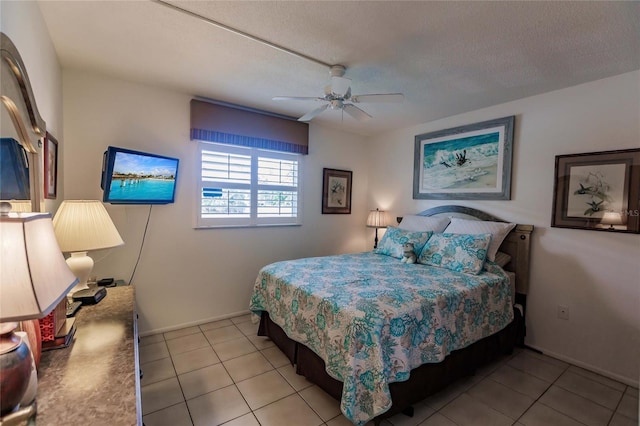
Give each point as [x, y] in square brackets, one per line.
[372, 318]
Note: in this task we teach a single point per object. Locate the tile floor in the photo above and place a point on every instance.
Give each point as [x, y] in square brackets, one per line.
[221, 373]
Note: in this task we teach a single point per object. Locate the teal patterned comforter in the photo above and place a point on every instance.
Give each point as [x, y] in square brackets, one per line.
[372, 318]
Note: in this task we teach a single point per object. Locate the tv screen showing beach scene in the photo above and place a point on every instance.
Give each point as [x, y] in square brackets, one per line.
[134, 177]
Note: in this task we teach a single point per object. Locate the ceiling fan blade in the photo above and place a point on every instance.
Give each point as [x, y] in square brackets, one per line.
[356, 112]
[386, 97]
[309, 116]
[296, 98]
[340, 85]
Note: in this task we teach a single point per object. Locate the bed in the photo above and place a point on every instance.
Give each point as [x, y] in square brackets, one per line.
[378, 334]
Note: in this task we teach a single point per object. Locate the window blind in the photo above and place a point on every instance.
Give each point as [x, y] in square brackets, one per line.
[248, 187]
[215, 122]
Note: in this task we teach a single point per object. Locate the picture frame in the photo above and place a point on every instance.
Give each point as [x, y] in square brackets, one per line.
[336, 191]
[471, 162]
[50, 167]
[598, 191]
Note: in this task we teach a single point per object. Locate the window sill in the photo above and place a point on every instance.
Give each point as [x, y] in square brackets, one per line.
[270, 225]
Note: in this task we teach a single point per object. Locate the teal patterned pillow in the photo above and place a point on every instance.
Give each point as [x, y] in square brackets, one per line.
[392, 241]
[457, 252]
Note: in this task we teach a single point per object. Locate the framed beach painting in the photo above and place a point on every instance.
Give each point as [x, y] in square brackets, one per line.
[598, 191]
[471, 162]
[336, 191]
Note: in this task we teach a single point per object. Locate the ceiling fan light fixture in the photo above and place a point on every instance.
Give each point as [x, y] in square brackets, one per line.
[337, 95]
[340, 87]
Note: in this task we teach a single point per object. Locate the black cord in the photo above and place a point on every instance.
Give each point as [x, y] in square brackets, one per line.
[144, 236]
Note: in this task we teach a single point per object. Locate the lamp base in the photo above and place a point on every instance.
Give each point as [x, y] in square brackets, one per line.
[23, 415]
[81, 266]
[15, 368]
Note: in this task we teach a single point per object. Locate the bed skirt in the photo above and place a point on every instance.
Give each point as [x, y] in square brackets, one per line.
[424, 381]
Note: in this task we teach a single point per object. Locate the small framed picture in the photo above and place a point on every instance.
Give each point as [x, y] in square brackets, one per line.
[50, 167]
[599, 191]
[336, 191]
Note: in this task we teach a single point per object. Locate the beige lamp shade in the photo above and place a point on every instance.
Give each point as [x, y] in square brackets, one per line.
[611, 218]
[81, 226]
[21, 206]
[33, 274]
[377, 219]
[85, 225]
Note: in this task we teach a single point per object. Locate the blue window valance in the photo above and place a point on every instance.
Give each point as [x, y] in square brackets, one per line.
[215, 122]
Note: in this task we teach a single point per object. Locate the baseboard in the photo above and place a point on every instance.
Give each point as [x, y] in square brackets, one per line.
[191, 324]
[577, 363]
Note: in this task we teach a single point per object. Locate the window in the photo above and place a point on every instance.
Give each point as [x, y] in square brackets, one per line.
[248, 187]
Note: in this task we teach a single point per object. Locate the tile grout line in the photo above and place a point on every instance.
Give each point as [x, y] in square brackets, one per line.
[234, 381]
[585, 376]
[487, 377]
[544, 392]
[176, 377]
[295, 391]
[591, 400]
[547, 389]
[564, 370]
[184, 398]
[618, 406]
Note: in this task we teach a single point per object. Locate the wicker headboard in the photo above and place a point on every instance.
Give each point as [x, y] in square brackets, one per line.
[517, 244]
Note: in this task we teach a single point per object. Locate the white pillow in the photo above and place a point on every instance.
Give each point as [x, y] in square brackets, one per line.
[424, 223]
[498, 231]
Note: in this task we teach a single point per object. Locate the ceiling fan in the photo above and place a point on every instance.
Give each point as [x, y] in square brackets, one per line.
[337, 96]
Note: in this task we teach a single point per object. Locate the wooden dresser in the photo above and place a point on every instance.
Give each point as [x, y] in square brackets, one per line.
[96, 380]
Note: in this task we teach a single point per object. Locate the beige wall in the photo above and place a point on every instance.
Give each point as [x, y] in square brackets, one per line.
[187, 276]
[596, 274]
[36, 50]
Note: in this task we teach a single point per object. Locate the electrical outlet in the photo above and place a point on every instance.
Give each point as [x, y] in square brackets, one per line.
[563, 312]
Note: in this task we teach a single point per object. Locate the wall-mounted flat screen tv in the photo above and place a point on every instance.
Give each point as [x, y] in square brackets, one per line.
[135, 177]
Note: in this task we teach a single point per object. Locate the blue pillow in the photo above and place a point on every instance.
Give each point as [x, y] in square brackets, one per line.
[457, 252]
[392, 241]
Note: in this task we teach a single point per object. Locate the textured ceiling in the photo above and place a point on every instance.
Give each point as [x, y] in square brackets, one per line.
[446, 57]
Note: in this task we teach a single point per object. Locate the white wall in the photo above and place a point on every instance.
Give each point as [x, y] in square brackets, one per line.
[188, 276]
[23, 23]
[596, 274]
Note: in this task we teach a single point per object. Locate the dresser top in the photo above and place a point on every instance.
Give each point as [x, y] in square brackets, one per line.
[93, 381]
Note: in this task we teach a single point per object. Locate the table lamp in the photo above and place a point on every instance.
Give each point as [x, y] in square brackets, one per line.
[377, 219]
[34, 278]
[81, 226]
[611, 219]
